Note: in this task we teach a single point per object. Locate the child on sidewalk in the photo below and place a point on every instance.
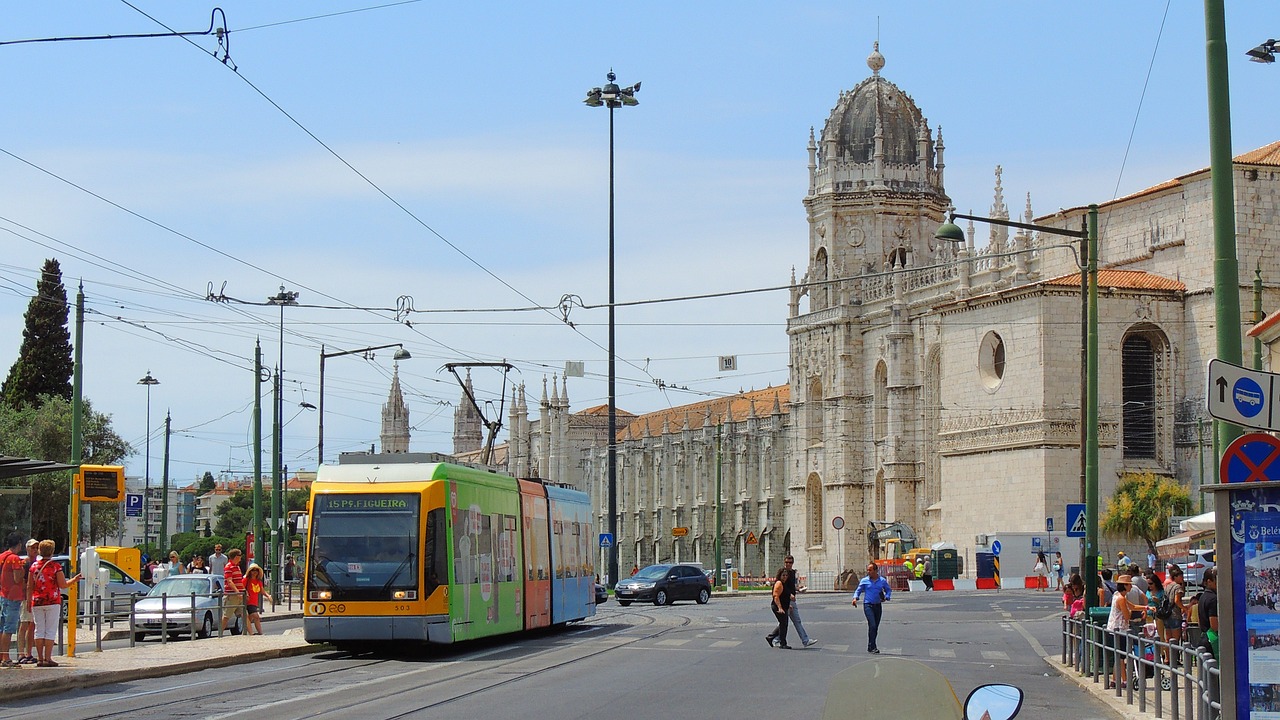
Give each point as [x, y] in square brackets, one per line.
[255, 590]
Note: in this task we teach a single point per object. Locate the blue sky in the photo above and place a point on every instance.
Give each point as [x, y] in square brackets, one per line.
[469, 116]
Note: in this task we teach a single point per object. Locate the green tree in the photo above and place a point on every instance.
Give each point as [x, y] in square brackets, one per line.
[234, 517]
[1142, 506]
[44, 363]
[43, 431]
[207, 484]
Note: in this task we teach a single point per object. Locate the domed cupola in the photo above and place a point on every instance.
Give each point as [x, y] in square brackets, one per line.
[876, 138]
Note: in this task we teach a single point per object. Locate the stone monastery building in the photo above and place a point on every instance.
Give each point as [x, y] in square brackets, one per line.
[935, 385]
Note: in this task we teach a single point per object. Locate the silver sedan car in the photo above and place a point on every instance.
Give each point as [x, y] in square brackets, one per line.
[168, 608]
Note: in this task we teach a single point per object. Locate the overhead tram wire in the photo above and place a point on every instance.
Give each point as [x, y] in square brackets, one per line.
[377, 188]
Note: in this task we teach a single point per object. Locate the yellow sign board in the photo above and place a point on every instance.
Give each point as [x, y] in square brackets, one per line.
[679, 531]
[100, 483]
[751, 538]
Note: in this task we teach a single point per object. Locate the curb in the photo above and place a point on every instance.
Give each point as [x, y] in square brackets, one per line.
[92, 678]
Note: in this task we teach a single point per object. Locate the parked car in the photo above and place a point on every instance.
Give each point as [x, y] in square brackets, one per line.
[1197, 562]
[602, 594]
[664, 584]
[168, 607]
[120, 591]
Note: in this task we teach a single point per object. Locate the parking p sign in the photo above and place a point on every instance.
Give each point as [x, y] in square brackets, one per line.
[133, 504]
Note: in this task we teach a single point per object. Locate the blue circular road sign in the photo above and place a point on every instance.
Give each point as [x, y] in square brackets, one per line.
[1247, 396]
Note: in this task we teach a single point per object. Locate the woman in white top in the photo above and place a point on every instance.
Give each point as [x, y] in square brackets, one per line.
[1118, 620]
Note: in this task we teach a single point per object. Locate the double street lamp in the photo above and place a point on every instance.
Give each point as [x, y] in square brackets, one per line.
[1087, 261]
[401, 354]
[146, 480]
[612, 97]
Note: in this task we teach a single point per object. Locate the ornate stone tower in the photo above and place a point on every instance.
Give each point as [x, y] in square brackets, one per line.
[875, 199]
[395, 418]
[467, 426]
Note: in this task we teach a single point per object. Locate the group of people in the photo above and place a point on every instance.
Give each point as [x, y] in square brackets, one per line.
[786, 585]
[242, 589]
[1135, 597]
[873, 590]
[31, 585]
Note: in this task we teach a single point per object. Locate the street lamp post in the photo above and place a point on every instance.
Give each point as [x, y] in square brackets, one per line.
[612, 97]
[401, 354]
[146, 478]
[1087, 261]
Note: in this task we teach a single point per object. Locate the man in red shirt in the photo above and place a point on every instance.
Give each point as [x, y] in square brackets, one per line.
[12, 593]
[232, 588]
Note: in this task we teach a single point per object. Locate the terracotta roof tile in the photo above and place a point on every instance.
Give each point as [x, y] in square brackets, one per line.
[1123, 280]
[736, 407]
[1269, 322]
[1266, 155]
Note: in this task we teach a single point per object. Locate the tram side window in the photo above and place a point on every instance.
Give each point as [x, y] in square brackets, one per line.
[436, 565]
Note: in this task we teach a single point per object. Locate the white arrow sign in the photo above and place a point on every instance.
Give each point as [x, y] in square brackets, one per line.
[1242, 396]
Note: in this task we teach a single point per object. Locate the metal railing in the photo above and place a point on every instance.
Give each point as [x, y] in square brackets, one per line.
[1184, 680]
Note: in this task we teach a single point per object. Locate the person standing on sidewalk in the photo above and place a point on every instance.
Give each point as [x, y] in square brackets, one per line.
[217, 561]
[232, 587]
[45, 584]
[1208, 612]
[254, 591]
[927, 572]
[12, 593]
[875, 591]
[781, 607]
[27, 623]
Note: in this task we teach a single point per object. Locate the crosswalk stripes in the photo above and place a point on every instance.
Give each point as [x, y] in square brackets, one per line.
[967, 653]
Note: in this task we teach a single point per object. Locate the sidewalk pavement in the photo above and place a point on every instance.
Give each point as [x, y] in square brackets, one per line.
[151, 659]
[1117, 702]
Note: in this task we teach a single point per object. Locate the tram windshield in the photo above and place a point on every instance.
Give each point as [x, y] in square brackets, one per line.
[364, 546]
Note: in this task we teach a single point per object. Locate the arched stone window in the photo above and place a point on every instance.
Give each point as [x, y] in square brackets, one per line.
[881, 499]
[814, 417]
[821, 272]
[813, 509]
[1145, 394]
[881, 401]
[932, 427]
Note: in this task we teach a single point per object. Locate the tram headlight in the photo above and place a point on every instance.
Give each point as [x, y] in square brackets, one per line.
[321, 595]
[404, 595]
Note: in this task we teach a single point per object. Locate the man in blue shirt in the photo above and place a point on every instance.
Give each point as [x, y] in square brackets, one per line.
[874, 590]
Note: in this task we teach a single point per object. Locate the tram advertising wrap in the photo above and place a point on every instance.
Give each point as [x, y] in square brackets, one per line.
[441, 553]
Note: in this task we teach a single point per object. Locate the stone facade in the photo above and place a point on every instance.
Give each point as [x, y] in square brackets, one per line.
[930, 384]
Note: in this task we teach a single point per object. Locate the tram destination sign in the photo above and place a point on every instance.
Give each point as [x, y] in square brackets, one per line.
[1242, 396]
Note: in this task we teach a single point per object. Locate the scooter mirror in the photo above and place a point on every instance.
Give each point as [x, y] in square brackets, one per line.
[993, 702]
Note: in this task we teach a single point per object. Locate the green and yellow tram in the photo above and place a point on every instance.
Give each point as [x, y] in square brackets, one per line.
[441, 553]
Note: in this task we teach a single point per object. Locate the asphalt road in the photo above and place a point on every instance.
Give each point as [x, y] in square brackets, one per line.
[643, 661]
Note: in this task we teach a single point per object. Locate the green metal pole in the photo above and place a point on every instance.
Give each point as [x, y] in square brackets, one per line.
[164, 490]
[1226, 270]
[77, 410]
[276, 469]
[259, 540]
[1257, 314]
[719, 509]
[1090, 565]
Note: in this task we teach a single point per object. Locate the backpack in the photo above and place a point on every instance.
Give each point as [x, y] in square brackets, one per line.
[1165, 611]
[46, 590]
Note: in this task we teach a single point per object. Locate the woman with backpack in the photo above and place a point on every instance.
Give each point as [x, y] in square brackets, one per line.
[45, 584]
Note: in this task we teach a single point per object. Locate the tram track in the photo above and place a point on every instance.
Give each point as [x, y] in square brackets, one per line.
[344, 710]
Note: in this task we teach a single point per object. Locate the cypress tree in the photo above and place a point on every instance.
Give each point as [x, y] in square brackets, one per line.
[44, 363]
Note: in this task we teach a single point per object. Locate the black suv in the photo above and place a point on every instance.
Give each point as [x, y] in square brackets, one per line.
[664, 584]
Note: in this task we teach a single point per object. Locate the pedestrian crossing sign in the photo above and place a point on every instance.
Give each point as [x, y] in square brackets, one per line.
[1075, 520]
